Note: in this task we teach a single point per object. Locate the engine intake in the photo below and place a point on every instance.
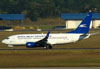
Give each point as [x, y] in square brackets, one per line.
[30, 44]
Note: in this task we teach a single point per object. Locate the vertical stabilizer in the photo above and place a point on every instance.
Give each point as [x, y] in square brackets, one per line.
[84, 25]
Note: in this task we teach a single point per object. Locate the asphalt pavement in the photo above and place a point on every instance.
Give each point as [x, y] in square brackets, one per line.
[55, 68]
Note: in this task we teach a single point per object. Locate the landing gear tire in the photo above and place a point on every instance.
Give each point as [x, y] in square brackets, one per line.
[48, 47]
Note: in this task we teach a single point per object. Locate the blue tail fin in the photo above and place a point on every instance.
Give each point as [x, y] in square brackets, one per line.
[84, 25]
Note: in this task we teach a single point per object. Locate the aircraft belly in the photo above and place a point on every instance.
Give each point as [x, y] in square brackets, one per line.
[58, 41]
[19, 43]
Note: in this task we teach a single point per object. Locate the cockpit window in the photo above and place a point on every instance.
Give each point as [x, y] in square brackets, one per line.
[7, 38]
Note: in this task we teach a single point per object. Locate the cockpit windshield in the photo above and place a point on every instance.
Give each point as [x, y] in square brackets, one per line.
[7, 38]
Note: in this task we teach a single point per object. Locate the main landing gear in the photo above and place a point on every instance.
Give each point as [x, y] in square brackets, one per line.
[48, 47]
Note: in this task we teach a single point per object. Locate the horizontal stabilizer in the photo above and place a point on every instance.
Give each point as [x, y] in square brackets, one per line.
[94, 33]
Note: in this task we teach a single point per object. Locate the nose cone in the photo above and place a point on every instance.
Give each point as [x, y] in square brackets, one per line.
[4, 41]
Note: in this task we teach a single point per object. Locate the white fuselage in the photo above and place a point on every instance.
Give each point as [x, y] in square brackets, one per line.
[22, 39]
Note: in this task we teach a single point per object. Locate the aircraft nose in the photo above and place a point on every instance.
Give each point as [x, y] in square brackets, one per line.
[4, 41]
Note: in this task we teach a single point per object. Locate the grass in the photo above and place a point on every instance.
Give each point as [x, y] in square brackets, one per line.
[36, 58]
[41, 26]
[50, 58]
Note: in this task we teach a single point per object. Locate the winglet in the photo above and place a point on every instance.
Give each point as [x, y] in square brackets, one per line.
[47, 35]
[84, 25]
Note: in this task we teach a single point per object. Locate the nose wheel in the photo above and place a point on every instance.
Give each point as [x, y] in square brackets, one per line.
[10, 46]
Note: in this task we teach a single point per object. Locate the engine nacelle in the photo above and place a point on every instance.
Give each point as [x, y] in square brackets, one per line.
[30, 44]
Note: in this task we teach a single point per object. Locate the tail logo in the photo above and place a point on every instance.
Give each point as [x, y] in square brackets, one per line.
[88, 15]
[83, 25]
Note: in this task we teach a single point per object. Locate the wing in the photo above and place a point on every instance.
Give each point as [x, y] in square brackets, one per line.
[40, 43]
[43, 42]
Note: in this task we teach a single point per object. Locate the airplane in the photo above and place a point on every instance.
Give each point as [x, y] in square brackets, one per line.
[48, 40]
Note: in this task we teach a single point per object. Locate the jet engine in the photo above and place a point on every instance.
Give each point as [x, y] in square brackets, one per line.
[30, 44]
